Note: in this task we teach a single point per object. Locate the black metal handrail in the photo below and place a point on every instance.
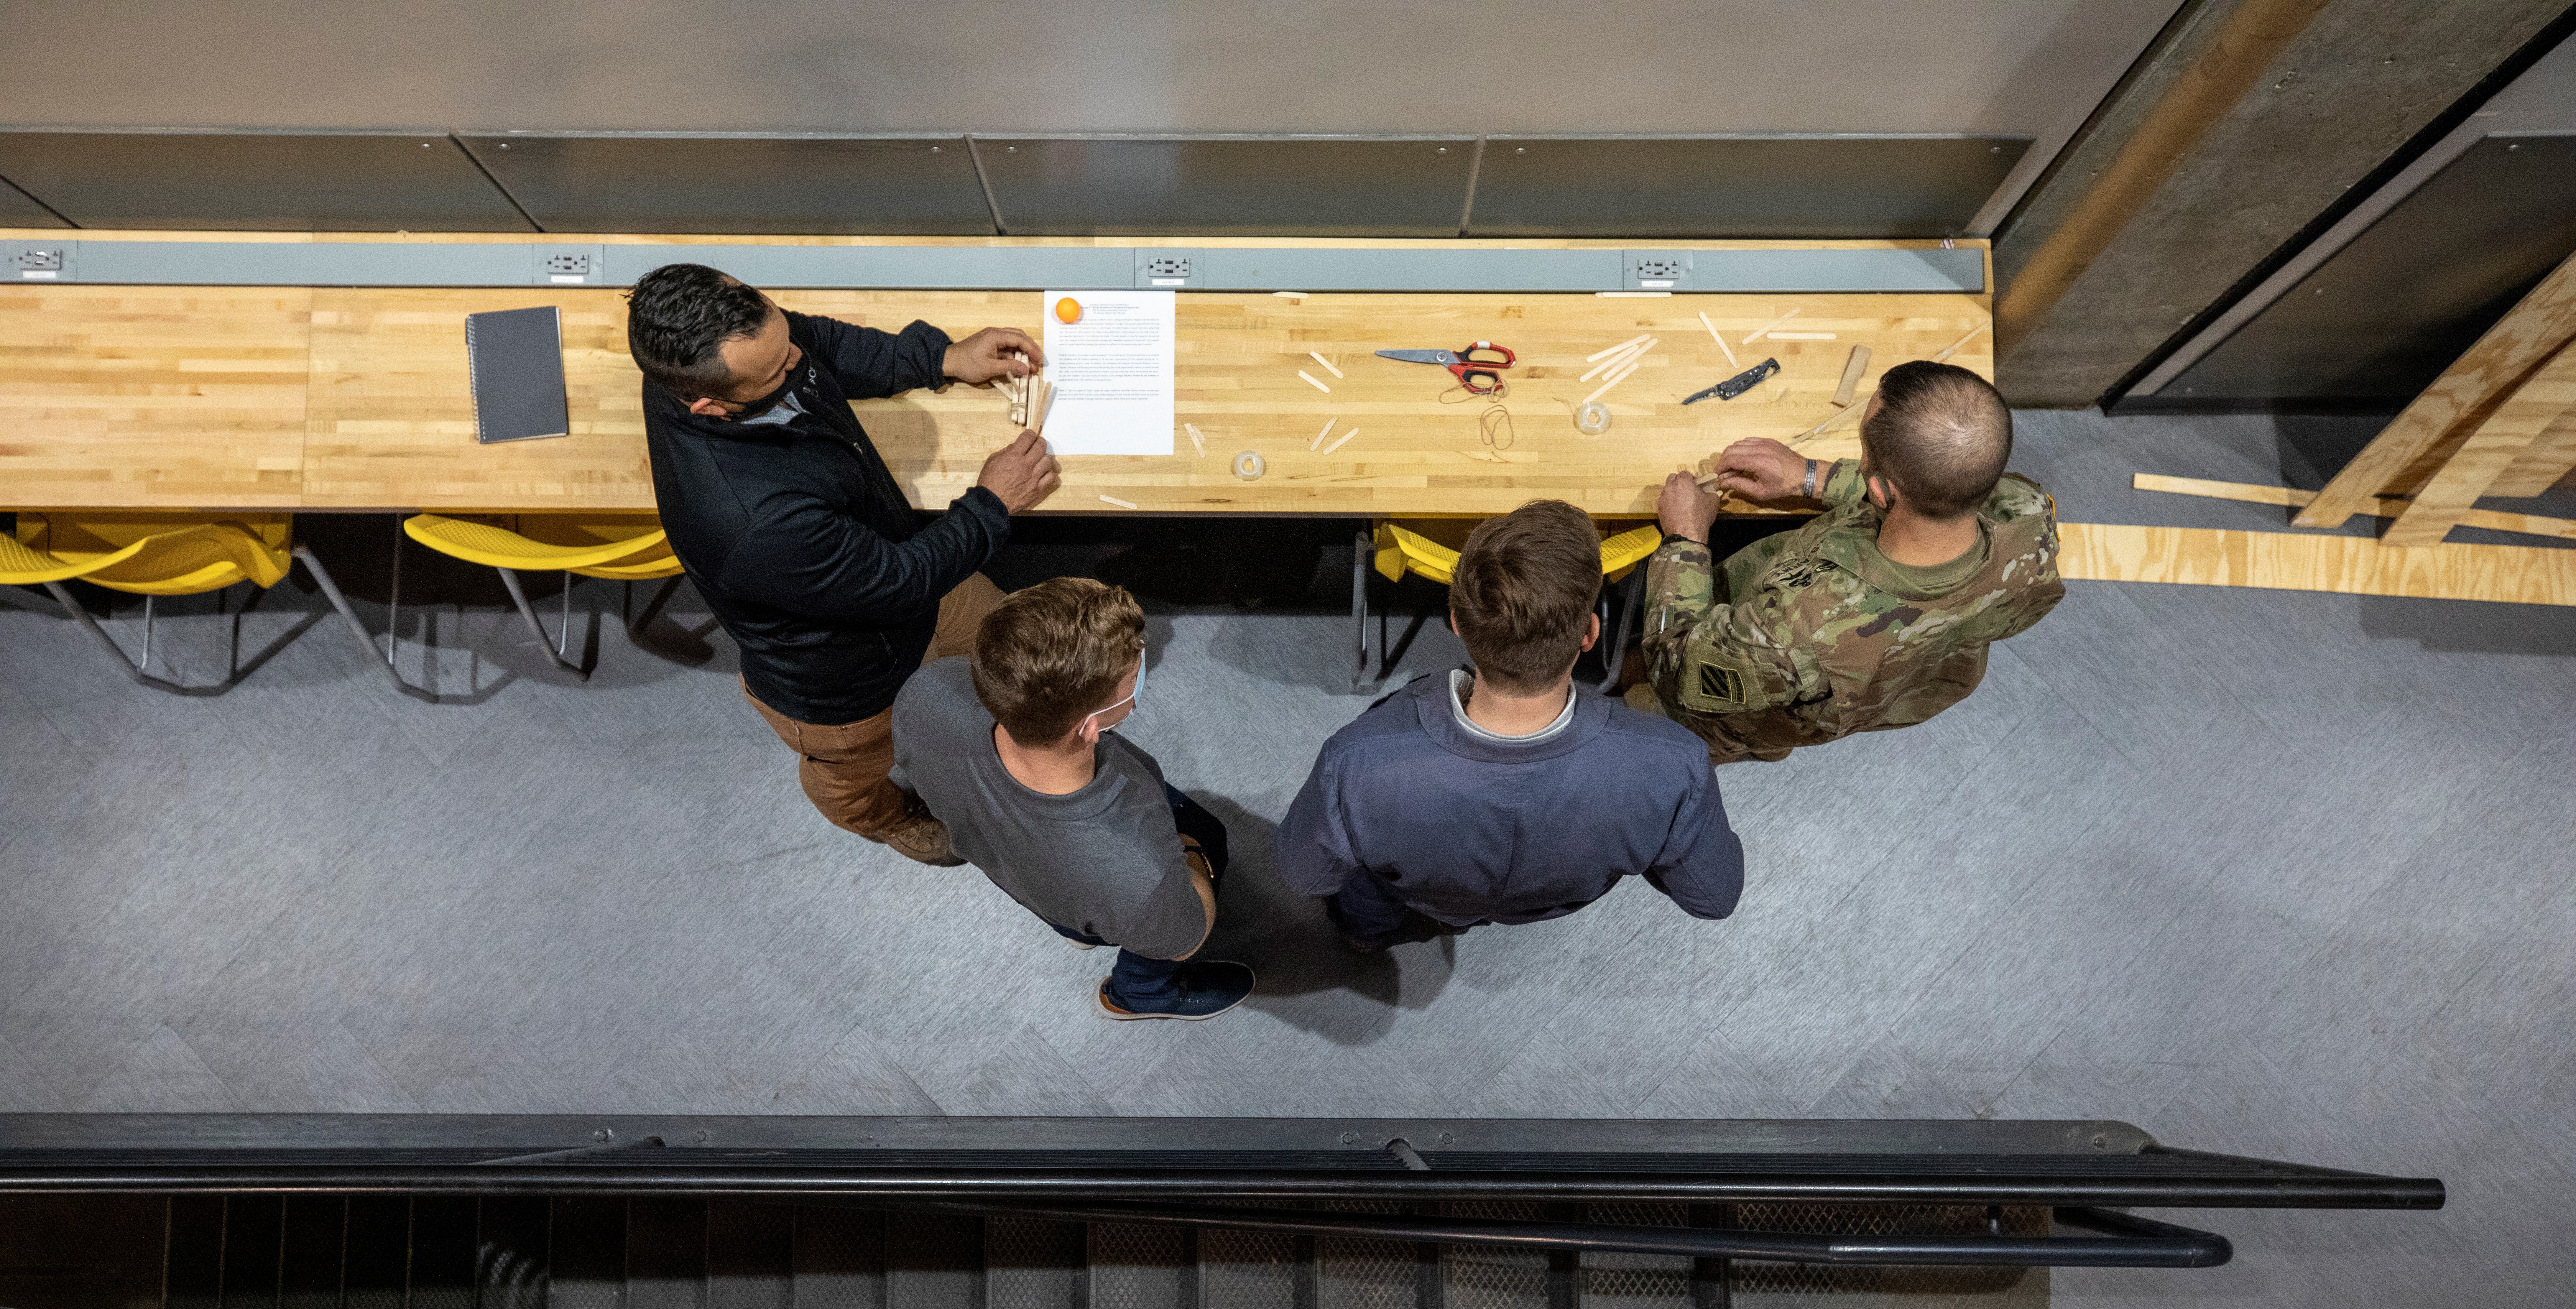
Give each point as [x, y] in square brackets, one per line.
[786, 1178]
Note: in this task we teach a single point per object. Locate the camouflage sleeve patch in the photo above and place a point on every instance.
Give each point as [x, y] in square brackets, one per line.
[1719, 678]
[1842, 483]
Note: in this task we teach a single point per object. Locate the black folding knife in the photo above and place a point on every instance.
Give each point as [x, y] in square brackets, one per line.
[1738, 384]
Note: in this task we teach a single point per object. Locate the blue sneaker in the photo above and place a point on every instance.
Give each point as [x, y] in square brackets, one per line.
[1208, 988]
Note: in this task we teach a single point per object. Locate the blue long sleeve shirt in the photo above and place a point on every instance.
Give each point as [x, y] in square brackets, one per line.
[1467, 829]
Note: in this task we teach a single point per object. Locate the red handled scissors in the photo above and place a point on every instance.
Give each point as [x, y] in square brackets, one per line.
[1464, 363]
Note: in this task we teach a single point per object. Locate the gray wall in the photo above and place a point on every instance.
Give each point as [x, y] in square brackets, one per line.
[2014, 66]
[2384, 300]
[2355, 86]
[2024, 68]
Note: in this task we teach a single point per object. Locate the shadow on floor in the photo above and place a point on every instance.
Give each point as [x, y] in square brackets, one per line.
[1286, 938]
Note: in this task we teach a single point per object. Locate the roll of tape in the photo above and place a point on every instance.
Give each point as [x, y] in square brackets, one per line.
[1592, 418]
[1249, 465]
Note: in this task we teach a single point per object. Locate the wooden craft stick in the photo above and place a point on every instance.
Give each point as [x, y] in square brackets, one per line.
[1757, 332]
[1629, 356]
[1717, 336]
[1319, 436]
[1613, 380]
[1345, 439]
[1853, 367]
[1327, 363]
[1197, 442]
[1038, 412]
[1598, 355]
[1802, 336]
[1839, 415]
[1123, 504]
[1290, 295]
[1310, 381]
[1947, 350]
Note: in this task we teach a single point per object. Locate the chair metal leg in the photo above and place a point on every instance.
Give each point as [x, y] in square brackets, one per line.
[393, 605]
[1616, 654]
[519, 597]
[358, 630]
[63, 596]
[146, 665]
[1359, 611]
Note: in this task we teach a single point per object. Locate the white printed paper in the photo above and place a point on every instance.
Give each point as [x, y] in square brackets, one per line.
[1112, 372]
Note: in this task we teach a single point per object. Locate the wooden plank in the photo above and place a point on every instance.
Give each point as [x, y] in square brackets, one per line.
[2461, 397]
[2380, 506]
[153, 397]
[2507, 432]
[391, 422]
[2542, 464]
[1852, 369]
[2292, 561]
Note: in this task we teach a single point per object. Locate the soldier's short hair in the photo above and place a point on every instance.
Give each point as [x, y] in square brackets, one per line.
[1942, 434]
[1051, 654]
[1521, 591]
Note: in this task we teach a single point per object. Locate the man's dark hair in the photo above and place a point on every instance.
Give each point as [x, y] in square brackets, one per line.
[1942, 434]
[678, 318]
[1520, 592]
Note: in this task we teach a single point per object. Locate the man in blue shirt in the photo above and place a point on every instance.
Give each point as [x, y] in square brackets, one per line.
[1500, 794]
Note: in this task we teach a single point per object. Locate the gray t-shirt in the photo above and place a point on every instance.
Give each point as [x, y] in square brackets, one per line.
[1105, 861]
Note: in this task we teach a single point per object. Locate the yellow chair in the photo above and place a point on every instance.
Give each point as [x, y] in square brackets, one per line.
[158, 554]
[620, 546]
[1429, 548]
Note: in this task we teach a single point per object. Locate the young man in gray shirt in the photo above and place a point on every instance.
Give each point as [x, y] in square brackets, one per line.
[1013, 750]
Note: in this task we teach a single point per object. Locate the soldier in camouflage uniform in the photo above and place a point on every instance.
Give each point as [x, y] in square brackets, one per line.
[1873, 616]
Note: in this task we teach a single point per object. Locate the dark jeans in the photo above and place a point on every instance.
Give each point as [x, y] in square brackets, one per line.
[1138, 982]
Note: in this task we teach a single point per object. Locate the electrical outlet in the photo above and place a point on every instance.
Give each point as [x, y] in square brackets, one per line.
[1168, 266]
[38, 262]
[573, 265]
[1660, 270]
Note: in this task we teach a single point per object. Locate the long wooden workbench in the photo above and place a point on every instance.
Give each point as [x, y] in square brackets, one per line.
[357, 398]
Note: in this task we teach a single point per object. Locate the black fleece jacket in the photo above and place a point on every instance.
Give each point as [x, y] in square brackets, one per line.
[794, 530]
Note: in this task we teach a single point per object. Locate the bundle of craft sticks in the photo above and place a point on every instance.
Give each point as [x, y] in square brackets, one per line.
[1618, 361]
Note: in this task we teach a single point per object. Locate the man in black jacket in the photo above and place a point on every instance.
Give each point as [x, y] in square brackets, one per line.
[789, 523]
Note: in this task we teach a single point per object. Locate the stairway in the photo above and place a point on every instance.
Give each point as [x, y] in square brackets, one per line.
[319, 1251]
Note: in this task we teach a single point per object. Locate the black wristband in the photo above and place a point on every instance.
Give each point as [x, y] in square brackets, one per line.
[1670, 537]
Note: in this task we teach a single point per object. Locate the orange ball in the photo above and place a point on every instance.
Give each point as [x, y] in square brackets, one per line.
[1068, 310]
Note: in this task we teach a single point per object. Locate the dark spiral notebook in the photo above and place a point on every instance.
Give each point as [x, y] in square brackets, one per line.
[515, 360]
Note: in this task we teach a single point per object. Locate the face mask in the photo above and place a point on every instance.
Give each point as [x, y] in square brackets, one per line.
[1132, 696]
[767, 402]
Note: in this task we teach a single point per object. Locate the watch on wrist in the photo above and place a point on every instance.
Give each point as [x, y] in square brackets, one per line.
[1811, 479]
[1670, 537]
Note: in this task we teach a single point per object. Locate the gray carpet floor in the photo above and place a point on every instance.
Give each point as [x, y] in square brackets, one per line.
[2270, 873]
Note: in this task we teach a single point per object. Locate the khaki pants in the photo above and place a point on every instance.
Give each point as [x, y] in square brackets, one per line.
[843, 768]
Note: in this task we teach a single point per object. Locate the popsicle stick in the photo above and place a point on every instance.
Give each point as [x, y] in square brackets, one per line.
[1947, 350]
[1757, 332]
[1123, 504]
[1319, 436]
[1038, 412]
[1298, 296]
[1613, 380]
[1310, 381]
[1327, 363]
[1346, 436]
[1610, 364]
[1717, 336]
[1197, 442]
[1598, 355]
[1839, 415]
